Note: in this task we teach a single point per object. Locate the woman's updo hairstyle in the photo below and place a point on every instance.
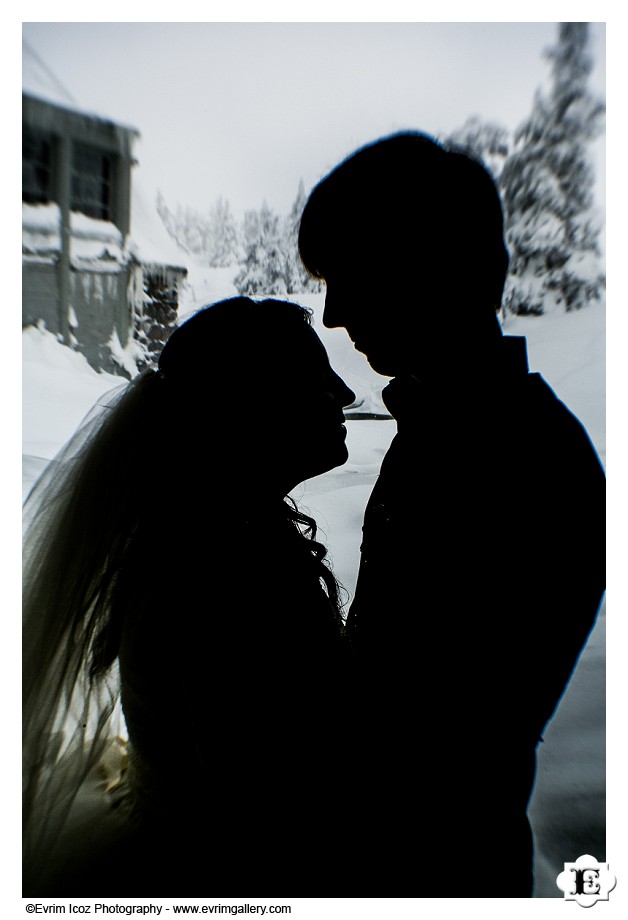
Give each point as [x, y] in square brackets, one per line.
[232, 343]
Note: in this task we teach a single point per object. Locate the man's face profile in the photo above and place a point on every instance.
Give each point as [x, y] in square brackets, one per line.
[390, 303]
[376, 317]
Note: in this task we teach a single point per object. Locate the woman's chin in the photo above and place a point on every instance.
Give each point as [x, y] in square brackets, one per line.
[341, 457]
[331, 461]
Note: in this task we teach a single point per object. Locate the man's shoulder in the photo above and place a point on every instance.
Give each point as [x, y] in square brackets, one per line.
[521, 418]
[548, 415]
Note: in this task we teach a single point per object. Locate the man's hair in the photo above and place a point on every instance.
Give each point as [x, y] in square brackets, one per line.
[407, 197]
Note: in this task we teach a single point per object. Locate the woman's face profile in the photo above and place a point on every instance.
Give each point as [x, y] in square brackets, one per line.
[263, 399]
[307, 424]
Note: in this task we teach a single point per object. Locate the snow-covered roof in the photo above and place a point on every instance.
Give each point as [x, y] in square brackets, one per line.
[39, 81]
[148, 240]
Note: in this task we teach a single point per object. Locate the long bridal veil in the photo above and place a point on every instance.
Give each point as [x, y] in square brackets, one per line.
[78, 520]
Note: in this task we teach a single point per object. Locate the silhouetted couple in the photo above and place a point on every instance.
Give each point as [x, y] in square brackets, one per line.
[271, 748]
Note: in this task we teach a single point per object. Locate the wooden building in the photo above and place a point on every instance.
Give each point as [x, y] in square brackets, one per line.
[81, 274]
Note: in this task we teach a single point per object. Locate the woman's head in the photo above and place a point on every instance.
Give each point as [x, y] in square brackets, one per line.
[241, 386]
[248, 383]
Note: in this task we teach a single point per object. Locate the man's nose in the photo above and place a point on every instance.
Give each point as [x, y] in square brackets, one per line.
[333, 313]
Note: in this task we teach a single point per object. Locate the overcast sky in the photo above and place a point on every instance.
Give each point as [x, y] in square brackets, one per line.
[245, 110]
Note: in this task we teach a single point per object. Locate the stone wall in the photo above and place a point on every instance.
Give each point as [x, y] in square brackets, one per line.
[156, 315]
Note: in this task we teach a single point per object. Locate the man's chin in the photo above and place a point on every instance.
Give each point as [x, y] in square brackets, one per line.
[382, 360]
[383, 365]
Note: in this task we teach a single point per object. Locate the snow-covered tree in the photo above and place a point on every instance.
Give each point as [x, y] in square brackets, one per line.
[485, 141]
[263, 270]
[186, 226]
[192, 230]
[223, 236]
[297, 278]
[271, 262]
[214, 236]
[547, 187]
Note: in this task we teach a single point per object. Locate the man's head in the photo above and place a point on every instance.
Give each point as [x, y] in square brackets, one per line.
[408, 237]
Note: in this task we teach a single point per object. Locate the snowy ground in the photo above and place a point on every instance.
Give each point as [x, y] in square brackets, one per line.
[568, 809]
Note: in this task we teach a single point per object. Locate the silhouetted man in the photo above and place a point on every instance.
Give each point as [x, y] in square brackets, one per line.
[482, 563]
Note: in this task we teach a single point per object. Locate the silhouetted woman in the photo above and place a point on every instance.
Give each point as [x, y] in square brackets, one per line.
[164, 560]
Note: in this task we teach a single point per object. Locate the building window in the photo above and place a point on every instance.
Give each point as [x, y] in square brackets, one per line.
[92, 177]
[36, 167]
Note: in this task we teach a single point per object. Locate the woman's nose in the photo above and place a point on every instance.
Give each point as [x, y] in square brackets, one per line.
[345, 394]
[350, 399]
